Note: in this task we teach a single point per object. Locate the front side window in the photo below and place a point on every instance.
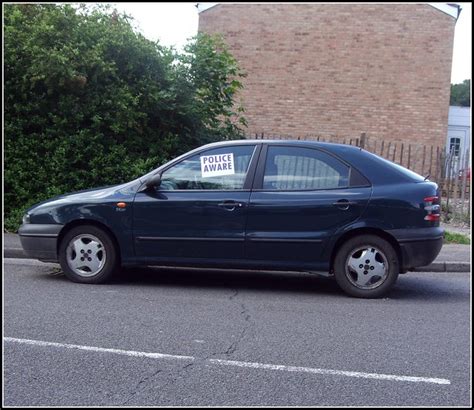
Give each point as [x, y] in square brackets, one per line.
[295, 168]
[218, 169]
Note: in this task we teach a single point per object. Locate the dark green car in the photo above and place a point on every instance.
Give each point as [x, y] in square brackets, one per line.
[332, 209]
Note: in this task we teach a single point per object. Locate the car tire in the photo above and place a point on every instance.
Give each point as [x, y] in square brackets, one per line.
[366, 266]
[87, 254]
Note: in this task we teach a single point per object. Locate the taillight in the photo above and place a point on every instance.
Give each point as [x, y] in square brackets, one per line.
[432, 208]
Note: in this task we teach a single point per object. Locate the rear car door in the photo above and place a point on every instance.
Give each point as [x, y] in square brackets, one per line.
[301, 197]
[200, 209]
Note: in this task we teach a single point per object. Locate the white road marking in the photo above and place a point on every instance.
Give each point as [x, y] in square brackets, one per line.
[132, 353]
[331, 372]
[221, 362]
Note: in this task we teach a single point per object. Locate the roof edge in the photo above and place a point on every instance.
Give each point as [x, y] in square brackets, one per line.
[450, 9]
[205, 6]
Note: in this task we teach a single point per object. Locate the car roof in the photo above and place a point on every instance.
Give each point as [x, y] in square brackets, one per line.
[307, 143]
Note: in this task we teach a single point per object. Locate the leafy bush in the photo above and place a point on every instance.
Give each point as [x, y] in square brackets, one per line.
[456, 238]
[91, 102]
[461, 94]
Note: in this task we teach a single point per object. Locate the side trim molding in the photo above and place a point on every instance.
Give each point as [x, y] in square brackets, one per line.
[185, 238]
[251, 239]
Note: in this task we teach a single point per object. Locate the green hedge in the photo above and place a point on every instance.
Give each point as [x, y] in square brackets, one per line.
[91, 102]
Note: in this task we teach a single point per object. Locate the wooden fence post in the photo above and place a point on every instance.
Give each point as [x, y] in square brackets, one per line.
[409, 155]
[423, 162]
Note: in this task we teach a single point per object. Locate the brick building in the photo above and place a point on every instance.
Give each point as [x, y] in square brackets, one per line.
[342, 69]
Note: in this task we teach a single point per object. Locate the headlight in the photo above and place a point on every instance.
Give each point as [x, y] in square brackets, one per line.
[26, 218]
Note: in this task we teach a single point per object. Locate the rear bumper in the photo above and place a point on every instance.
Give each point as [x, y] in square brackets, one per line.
[39, 241]
[419, 247]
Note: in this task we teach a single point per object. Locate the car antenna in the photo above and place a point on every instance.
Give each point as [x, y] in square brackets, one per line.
[427, 177]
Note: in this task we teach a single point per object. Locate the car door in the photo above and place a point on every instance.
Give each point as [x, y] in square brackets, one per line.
[200, 208]
[301, 197]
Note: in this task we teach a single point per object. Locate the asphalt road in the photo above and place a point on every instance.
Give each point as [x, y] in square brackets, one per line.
[232, 338]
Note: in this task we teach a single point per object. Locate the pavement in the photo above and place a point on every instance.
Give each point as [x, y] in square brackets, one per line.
[452, 258]
[163, 337]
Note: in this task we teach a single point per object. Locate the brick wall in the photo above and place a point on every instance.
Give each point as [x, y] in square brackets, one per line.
[341, 69]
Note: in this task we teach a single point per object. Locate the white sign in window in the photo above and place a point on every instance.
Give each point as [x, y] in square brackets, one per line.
[217, 165]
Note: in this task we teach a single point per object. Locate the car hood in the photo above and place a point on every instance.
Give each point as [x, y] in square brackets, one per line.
[128, 188]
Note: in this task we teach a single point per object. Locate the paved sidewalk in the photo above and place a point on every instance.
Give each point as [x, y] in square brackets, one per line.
[454, 253]
[452, 258]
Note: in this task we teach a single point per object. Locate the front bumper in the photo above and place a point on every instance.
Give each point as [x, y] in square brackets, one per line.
[419, 247]
[39, 241]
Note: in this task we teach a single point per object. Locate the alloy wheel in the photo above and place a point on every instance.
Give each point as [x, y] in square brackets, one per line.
[367, 267]
[86, 255]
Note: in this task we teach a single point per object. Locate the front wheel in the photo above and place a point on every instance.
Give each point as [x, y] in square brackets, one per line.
[87, 255]
[366, 266]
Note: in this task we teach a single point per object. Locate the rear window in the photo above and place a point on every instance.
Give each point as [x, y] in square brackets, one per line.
[397, 168]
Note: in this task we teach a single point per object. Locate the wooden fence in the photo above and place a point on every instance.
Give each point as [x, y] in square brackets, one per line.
[448, 170]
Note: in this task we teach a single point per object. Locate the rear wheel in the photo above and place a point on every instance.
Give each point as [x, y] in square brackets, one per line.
[87, 255]
[366, 266]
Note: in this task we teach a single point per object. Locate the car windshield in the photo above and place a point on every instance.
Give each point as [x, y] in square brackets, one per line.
[143, 178]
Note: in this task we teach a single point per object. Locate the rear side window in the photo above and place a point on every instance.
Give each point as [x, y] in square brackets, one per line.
[411, 175]
[295, 168]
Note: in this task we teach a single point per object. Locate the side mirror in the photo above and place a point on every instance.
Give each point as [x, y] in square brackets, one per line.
[154, 181]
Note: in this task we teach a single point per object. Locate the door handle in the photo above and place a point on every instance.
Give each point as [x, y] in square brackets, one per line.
[230, 205]
[344, 204]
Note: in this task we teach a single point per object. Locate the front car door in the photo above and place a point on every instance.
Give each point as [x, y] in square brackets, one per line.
[200, 208]
[301, 197]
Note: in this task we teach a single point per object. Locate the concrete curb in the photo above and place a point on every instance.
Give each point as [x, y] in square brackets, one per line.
[445, 267]
[14, 253]
[434, 267]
